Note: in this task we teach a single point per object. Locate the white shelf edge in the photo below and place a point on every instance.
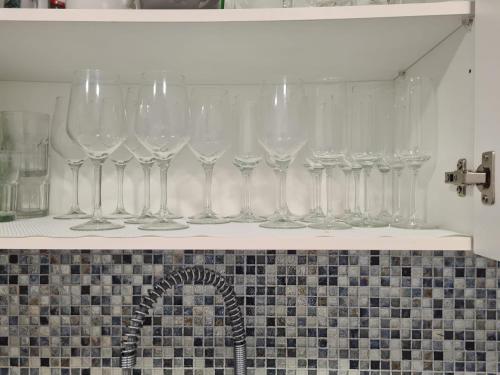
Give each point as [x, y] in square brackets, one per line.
[457, 243]
[449, 8]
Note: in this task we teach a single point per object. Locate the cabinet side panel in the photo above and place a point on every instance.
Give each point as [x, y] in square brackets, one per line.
[487, 218]
[450, 66]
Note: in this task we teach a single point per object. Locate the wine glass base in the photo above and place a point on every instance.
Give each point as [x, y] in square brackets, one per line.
[313, 217]
[384, 217]
[73, 216]
[249, 217]
[97, 225]
[330, 225]
[119, 215]
[366, 222]
[208, 218]
[414, 225]
[170, 215]
[282, 223]
[163, 225]
[143, 219]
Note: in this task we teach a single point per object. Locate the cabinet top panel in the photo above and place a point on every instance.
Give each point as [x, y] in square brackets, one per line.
[226, 46]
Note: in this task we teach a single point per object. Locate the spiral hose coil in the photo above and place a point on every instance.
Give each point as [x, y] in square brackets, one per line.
[195, 275]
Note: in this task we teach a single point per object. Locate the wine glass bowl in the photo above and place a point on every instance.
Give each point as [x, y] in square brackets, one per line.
[161, 126]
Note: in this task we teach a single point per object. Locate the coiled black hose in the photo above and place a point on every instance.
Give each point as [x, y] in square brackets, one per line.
[196, 275]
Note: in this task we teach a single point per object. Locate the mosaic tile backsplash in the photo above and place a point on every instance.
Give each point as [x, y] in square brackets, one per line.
[337, 312]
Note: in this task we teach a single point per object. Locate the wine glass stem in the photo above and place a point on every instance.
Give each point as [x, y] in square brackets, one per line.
[97, 214]
[146, 169]
[396, 195]
[329, 170]
[209, 172]
[164, 165]
[384, 192]
[347, 197]
[413, 193]
[75, 170]
[246, 197]
[282, 206]
[317, 179]
[357, 176]
[120, 172]
[366, 204]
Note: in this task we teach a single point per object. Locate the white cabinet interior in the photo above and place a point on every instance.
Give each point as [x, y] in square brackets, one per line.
[40, 49]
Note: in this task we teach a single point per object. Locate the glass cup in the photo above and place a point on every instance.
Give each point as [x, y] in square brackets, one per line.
[28, 134]
[9, 175]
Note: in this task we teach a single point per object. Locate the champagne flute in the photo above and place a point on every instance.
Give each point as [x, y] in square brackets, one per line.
[327, 141]
[421, 137]
[364, 152]
[210, 116]
[96, 122]
[70, 151]
[160, 125]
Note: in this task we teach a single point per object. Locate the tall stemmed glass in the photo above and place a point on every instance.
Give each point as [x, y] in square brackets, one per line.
[143, 156]
[247, 154]
[161, 126]
[396, 162]
[282, 135]
[210, 138]
[96, 122]
[385, 138]
[364, 151]
[421, 142]
[70, 151]
[120, 158]
[326, 142]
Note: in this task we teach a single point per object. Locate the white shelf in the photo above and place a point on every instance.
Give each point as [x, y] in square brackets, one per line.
[47, 233]
[248, 45]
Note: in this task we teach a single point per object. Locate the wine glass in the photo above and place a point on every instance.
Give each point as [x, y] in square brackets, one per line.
[420, 134]
[247, 154]
[161, 126]
[364, 152]
[282, 134]
[120, 158]
[329, 127]
[69, 151]
[143, 156]
[315, 169]
[96, 122]
[210, 138]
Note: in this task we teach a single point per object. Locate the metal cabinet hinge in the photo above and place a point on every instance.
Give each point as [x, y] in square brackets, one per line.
[483, 177]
